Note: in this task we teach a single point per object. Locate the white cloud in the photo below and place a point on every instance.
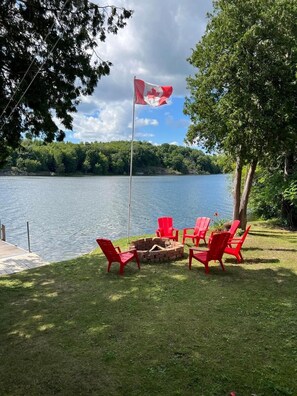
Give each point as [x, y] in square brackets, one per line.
[110, 122]
[154, 46]
[146, 122]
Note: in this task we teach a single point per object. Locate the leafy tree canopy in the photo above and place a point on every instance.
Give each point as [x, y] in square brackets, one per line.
[243, 96]
[48, 59]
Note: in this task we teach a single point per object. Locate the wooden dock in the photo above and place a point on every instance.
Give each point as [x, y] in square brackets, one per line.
[14, 259]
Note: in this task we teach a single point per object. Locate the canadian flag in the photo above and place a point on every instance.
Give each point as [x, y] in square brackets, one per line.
[150, 94]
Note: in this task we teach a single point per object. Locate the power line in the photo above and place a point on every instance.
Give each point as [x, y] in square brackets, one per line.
[31, 82]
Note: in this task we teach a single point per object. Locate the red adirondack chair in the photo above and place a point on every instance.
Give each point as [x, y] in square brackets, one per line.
[233, 228]
[235, 245]
[166, 229]
[214, 252]
[198, 232]
[114, 254]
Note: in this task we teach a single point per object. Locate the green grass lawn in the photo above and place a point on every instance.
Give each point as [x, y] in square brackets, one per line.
[71, 328]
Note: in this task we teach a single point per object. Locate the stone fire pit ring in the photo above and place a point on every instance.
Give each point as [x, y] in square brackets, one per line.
[155, 250]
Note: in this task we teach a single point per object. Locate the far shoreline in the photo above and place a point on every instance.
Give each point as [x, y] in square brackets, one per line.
[77, 174]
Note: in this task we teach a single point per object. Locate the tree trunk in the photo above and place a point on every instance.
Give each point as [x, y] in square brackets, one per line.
[237, 188]
[245, 195]
[288, 212]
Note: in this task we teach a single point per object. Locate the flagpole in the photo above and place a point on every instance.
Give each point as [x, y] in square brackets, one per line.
[131, 163]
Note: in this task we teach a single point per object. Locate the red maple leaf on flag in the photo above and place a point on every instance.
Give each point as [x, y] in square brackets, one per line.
[153, 93]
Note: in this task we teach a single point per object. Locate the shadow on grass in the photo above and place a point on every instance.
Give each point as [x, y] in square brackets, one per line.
[270, 249]
[253, 261]
[253, 249]
[282, 250]
[285, 235]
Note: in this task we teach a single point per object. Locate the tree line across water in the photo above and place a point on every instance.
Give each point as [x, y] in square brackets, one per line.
[112, 158]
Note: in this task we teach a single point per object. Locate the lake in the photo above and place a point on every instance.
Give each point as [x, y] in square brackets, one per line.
[67, 214]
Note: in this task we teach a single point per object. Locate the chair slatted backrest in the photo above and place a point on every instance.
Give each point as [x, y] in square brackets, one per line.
[242, 239]
[165, 224]
[233, 228]
[202, 224]
[217, 245]
[108, 249]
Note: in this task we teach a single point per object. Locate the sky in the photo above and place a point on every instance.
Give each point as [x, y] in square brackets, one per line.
[154, 47]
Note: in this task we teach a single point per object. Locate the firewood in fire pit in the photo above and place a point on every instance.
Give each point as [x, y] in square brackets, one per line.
[156, 247]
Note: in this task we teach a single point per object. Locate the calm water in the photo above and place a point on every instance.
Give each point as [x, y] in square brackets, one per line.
[67, 214]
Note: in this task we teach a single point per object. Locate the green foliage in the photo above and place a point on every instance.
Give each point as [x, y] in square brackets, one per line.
[28, 165]
[243, 96]
[112, 158]
[219, 224]
[225, 163]
[290, 193]
[270, 190]
[266, 198]
[47, 63]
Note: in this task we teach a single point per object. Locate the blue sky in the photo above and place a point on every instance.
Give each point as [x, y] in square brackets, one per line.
[154, 47]
[171, 124]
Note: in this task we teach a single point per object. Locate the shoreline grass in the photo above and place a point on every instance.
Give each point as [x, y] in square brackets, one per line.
[71, 328]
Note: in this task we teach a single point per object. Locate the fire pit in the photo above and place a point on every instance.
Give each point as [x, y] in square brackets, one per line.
[154, 250]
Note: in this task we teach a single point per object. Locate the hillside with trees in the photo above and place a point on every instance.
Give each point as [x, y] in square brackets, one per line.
[112, 158]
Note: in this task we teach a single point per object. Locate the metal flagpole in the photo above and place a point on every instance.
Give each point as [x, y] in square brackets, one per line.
[131, 163]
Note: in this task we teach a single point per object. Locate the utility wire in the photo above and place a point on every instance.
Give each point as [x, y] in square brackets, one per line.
[27, 71]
